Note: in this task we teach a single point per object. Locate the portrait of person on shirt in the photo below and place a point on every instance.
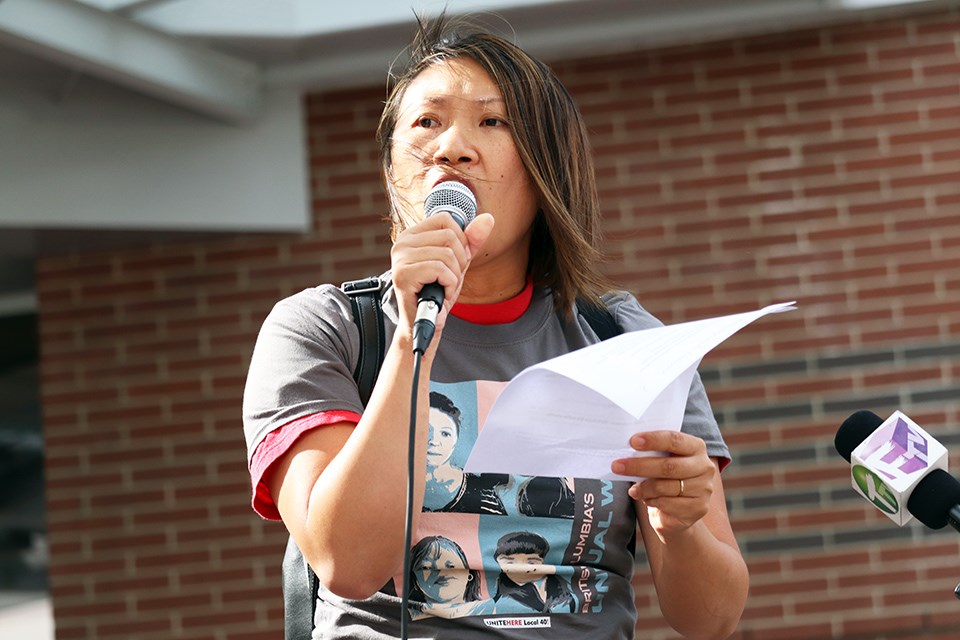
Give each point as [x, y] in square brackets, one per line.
[448, 488]
[546, 497]
[470, 106]
[525, 578]
[442, 584]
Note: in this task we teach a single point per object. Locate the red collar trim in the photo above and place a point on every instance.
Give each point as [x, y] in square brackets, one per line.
[498, 312]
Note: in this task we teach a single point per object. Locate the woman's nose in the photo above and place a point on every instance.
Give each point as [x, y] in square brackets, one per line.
[455, 147]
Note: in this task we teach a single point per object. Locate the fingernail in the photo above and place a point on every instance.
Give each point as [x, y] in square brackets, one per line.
[638, 442]
[618, 467]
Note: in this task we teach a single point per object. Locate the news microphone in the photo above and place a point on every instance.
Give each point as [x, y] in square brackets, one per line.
[457, 200]
[900, 468]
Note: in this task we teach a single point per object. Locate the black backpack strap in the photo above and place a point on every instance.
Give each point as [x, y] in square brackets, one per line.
[300, 585]
[599, 318]
[367, 313]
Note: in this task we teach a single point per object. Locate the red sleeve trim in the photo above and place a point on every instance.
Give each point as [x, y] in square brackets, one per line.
[722, 463]
[277, 443]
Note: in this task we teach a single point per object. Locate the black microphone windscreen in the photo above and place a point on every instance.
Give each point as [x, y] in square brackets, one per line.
[933, 497]
[855, 430]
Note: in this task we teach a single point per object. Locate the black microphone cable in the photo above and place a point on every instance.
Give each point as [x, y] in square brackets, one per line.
[408, 520]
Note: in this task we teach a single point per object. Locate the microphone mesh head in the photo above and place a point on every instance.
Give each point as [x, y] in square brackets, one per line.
[454, 198]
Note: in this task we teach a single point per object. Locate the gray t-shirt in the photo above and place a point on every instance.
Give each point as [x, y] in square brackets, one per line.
[496, 555]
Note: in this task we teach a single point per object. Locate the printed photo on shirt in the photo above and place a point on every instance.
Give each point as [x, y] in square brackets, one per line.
[442, 584]
[544, 497]
[451, 434]
[501, 545]
[527, 582]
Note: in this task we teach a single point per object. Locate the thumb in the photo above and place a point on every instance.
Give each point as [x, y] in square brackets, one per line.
[478, 231]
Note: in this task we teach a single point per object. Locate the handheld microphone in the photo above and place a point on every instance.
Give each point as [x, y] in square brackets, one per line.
[457, 200]
[900, 468]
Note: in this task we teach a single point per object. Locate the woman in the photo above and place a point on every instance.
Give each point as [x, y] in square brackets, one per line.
[474, 108]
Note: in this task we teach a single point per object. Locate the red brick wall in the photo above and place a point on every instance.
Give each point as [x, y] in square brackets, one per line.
[820, 165]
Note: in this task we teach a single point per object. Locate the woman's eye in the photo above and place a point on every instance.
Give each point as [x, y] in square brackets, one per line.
[426, 122]
[492, 122]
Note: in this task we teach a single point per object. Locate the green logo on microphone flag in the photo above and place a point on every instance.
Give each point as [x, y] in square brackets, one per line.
[875, 490]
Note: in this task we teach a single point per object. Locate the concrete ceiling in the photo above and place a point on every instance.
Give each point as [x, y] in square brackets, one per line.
[218, 57]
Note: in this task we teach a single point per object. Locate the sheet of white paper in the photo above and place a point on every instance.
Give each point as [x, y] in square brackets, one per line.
[573, 415]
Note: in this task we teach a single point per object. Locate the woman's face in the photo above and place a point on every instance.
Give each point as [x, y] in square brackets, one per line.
[442, 576]
[442, 438]
[452, 124]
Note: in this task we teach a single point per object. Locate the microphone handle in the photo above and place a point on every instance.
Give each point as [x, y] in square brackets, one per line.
[432, 292]
[428, 308]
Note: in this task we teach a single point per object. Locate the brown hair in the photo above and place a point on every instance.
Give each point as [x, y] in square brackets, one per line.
[551, 139]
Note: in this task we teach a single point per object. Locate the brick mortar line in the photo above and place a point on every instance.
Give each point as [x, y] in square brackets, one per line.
[919, 352]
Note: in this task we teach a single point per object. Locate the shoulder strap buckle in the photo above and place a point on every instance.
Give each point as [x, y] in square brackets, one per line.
[373, 284]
